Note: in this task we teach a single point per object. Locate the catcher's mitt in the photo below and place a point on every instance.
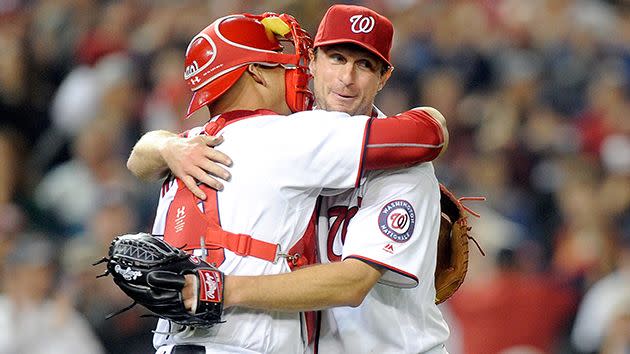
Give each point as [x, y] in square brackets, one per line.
[151, 272]
[452, 255]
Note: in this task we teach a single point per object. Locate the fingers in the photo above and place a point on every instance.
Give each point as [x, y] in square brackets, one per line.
[194, 179]
[189, 293]
[195, 161]
[210, 182]
[215, 155]
[219, 157]
[191, 184]
[214, 169]
[202, 176]
[212, 140]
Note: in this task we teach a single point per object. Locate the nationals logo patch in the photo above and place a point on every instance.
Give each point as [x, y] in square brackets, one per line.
[397, 220]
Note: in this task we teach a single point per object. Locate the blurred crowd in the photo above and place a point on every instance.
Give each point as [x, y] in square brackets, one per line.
[536, 94]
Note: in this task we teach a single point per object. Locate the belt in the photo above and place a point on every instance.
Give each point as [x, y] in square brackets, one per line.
[188, 349]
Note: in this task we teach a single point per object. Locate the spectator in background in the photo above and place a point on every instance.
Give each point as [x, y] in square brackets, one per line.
[617, 335]
[10, 173]
[74, 190]
[583, 248]
[12, 215]
[513, 308]
[602, 317]
[126, 332]
[22, 106]
[607, 108]
[34, 317]
[169, 95]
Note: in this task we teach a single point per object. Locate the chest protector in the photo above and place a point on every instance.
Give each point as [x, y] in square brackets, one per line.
[194, 225]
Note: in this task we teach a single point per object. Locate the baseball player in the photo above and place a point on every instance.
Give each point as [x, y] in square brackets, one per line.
[379, 240]
[233, 67]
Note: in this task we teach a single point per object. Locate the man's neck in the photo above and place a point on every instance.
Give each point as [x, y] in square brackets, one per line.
[245, 95]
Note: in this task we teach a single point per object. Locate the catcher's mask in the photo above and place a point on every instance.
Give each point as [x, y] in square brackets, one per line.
[218, 56]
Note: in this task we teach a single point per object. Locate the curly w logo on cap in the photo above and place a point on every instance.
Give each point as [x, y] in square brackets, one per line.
[358, 25]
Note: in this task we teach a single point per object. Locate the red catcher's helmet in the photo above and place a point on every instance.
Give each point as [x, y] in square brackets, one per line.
[218, 56]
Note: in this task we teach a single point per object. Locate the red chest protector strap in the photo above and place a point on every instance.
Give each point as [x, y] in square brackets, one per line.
[189, 228]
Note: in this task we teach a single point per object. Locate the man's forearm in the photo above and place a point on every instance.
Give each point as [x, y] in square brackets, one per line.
[146, 161]
[322, 286]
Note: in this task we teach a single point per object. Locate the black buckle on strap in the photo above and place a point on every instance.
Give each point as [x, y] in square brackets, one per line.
[188, 349]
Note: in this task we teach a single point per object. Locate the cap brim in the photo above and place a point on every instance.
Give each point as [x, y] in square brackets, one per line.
[359, 43]
[211, 92]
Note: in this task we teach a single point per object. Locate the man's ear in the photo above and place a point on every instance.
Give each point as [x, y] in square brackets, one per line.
[254, 71]
[383, 80]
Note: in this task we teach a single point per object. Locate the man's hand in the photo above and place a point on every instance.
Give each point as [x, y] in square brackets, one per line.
[189, 292]
[193, 160]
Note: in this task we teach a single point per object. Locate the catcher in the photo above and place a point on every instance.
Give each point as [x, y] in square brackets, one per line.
[420, 131]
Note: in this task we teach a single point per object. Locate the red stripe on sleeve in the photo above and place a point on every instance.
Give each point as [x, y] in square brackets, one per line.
[366, 136]
[404, 140]
[386, 266]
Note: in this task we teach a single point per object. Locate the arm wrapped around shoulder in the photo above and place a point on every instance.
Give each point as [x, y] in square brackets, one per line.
[406, 139]
[152, 273]
[453, 242]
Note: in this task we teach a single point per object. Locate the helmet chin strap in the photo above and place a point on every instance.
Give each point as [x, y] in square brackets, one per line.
[298, 96]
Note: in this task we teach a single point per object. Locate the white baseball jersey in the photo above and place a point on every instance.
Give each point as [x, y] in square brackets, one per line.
[281, 164]
[393, 221]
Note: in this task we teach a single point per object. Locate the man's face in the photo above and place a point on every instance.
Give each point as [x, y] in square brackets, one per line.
[346, 78]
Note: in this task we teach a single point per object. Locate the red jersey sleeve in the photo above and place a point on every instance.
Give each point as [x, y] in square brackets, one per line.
[403, 140]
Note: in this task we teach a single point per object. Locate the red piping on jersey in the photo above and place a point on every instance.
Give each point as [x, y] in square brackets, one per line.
[318, 329]
[304, 252]
[403, 140]
[366, 137]
[387, 266]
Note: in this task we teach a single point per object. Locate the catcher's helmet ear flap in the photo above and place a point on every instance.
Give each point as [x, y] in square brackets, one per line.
[218, 56]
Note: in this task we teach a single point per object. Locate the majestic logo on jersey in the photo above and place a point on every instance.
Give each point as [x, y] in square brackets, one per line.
[397, 220]
[389, 248]
[362, 24]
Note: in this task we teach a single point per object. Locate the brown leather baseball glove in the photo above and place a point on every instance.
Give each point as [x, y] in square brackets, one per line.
[452, 255]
